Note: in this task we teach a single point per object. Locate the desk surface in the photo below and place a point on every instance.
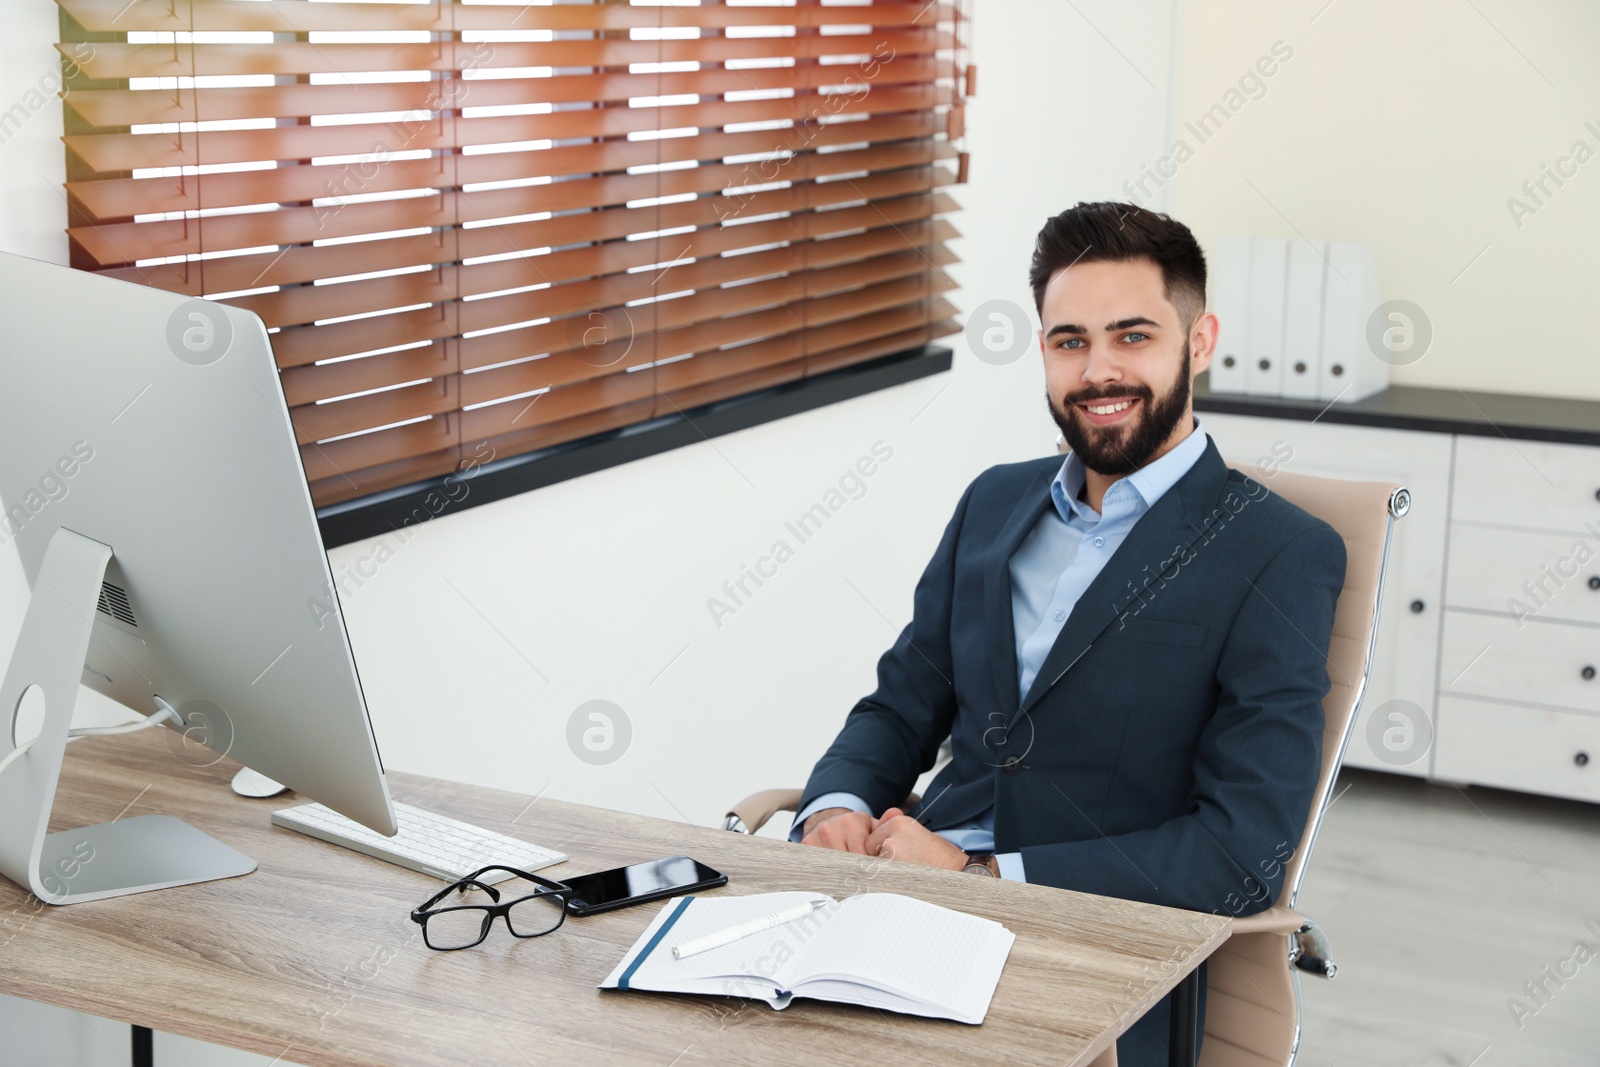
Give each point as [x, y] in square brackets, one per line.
[313, 958]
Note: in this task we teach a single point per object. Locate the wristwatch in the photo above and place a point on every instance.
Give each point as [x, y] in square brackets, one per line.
[980, 863]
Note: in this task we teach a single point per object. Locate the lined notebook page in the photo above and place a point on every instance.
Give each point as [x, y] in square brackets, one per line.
[908, 946]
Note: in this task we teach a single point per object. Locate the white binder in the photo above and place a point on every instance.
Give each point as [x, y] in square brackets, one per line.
[1350, 369]
[1302, 320]
[1269, 260]
[1230, 302]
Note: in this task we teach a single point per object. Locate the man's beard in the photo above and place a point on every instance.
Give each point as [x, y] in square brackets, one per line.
[1122, 448]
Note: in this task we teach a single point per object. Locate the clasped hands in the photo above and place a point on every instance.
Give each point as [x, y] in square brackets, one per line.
[895, 836]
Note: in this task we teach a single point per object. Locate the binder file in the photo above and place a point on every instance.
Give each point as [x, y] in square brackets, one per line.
[1230, 302]
[1350, 369]
[1302, 320]
[1269, 260]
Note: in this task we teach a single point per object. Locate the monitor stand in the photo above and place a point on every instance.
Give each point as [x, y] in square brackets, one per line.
[113, 859]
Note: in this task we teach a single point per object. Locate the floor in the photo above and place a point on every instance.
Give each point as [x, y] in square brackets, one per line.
[1441, 903]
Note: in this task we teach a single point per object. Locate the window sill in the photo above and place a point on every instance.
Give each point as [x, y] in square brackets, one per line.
[385, 512]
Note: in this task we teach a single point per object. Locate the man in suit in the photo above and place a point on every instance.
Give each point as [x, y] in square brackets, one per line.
[1126, 649]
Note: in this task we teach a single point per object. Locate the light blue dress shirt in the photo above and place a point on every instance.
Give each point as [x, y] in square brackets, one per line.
[1050, 571]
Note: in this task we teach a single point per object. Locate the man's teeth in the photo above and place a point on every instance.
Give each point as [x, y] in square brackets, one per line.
[1108, 409]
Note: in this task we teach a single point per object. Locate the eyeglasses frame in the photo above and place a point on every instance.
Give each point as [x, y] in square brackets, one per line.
[497, 910]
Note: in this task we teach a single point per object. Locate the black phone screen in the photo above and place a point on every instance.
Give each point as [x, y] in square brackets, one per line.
[639, 882]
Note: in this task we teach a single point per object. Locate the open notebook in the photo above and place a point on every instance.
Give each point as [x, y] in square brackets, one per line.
[876, 949]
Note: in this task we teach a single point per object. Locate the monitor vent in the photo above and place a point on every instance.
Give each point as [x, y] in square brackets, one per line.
[114, 602]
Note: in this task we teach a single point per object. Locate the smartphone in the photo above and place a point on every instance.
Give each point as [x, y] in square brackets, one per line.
[638, 883]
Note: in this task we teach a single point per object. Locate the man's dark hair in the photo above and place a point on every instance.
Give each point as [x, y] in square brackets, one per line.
[1092, 233]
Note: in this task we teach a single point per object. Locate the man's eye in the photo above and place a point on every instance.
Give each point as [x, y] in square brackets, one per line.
[1071, 342]
[1136, 336]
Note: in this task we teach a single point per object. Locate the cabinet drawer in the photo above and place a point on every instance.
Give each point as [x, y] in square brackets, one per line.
[1539, 662]
[1526, 573]
[1526, 483]
[1534, 750]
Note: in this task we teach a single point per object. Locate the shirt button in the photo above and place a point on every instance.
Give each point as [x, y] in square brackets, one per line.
[1012, 765]
[1099, 542]
[1060, 615]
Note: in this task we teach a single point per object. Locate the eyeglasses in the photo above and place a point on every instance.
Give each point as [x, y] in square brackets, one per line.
[459, 926]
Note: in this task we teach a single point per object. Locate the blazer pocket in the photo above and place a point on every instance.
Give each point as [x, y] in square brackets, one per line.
[1160, 631]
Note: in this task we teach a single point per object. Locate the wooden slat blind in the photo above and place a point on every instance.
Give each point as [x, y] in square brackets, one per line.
[523, 222]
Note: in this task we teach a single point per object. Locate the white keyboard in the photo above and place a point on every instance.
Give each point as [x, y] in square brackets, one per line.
[427, 842]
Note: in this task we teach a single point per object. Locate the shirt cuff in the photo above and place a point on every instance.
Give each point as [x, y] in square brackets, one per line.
[826, 800]
[1010, 864]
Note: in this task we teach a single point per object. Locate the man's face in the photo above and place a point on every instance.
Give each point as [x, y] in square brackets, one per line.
[1118, 363]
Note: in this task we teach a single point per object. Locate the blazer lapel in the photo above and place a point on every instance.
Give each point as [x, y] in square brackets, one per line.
[1178, 519]
[999, 628]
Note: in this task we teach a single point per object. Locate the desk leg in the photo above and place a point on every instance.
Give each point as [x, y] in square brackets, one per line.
[1184, 1047]
[144, 1052]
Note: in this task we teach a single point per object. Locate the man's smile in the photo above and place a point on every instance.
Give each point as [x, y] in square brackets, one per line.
[1107, 412]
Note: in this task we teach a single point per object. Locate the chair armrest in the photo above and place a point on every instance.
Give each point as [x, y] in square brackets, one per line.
[1275, 920]
[1309, 950]
[752, 813]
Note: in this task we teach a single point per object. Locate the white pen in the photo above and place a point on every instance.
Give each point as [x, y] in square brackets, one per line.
[745, 929]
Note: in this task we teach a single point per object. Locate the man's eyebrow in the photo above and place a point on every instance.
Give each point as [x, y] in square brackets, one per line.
[1120, 324]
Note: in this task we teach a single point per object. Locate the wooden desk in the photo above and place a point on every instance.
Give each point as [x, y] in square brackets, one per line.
[314, 958]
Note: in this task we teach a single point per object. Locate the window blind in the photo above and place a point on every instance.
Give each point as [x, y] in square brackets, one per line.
[522, 224]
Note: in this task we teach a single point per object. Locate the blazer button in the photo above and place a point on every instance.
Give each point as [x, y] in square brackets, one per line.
[1012, 765]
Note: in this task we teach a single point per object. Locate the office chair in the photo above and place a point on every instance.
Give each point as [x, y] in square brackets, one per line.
[1253, 1006]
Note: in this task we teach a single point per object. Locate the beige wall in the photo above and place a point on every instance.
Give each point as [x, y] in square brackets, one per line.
[1409, 126]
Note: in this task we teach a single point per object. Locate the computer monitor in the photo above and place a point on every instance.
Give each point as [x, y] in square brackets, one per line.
[152, 484]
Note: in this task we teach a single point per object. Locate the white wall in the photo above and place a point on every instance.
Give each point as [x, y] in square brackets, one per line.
[602, 582]
[1410, 126]
[33, 210]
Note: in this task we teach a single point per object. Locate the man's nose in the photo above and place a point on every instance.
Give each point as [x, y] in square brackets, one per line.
[1102, 366]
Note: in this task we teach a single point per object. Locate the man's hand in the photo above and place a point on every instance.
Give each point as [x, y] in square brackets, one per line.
[839, 828]
[897, 836]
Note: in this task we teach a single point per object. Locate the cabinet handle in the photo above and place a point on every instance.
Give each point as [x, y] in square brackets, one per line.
[1588, 674]
[1417, 607]
[1594, 581]
[1266, 364]
[1581, 759]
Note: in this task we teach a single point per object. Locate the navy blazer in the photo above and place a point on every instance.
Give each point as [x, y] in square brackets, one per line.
[1170, 745]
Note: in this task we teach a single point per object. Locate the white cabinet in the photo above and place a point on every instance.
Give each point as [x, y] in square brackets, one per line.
[1526, 574]
[1498, 657]
[1490, 622]
[1528, 483]
[1535, 750]
[1519, 671]
[1405, 660]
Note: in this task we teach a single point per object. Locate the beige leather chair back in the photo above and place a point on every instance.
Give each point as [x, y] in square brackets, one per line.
[1253, 1006]
[1362, 513]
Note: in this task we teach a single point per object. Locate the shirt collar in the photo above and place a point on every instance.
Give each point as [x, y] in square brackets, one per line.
[1151, 481]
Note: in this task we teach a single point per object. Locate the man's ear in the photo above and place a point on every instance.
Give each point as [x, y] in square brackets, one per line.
[1202, 342]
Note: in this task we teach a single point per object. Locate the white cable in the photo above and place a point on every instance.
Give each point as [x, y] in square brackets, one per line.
[159, 717]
